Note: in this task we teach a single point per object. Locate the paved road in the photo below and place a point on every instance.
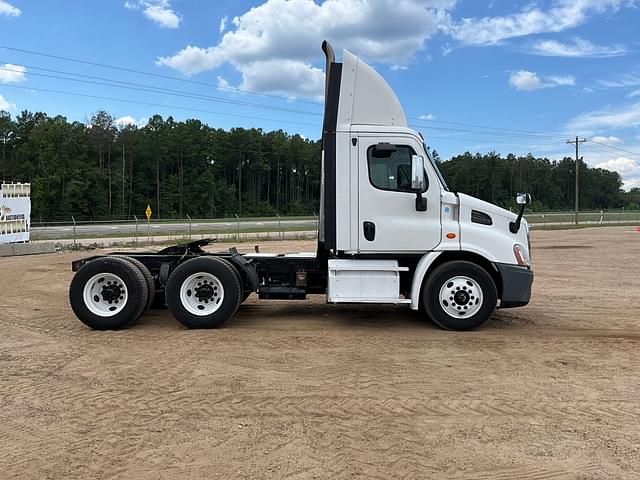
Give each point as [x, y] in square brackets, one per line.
[129, 229]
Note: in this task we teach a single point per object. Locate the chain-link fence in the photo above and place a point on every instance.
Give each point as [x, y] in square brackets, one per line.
[139, 230]
[591, 218]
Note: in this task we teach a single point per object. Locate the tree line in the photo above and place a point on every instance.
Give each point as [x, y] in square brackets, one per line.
[497, 179]
[101, 170]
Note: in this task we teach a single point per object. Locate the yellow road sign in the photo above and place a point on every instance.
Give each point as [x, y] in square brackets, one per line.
[148, 212]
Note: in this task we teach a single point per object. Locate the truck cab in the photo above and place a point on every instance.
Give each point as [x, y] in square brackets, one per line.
[393, 204]
[390, 232]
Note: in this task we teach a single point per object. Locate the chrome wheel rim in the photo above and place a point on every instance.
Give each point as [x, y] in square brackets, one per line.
[201, 294]
[105, 294]
[461, 297]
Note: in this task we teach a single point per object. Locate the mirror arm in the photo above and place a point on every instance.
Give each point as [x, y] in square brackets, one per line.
[514, 227]
[421, 202]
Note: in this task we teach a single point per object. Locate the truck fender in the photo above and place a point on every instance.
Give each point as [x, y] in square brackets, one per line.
[247, 267]
[418, 276]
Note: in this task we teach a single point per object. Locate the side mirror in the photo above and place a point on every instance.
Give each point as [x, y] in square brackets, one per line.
[523, 199]
[418, 182]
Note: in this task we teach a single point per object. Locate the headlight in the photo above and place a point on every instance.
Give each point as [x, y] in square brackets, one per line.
[522, 257]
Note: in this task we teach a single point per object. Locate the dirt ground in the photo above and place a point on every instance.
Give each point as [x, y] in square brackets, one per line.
[308, 390]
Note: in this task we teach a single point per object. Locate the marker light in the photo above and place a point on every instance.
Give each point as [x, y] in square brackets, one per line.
[521, 255]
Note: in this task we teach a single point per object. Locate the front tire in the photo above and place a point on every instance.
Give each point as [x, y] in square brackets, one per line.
[203, 292]
[108, 293]
[459, 295]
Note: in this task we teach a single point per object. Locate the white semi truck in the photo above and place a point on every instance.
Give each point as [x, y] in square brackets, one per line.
[390, 232]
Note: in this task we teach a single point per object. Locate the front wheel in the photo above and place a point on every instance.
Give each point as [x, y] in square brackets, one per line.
[459, 295]
[203, 292]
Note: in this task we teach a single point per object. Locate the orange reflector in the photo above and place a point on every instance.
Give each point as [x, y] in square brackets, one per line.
[451, 236]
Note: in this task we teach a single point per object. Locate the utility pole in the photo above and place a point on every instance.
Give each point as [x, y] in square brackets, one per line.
[4, 155]
[123, 165]
[577, 143]
[240, 187]
[6, 136]
[278, 188]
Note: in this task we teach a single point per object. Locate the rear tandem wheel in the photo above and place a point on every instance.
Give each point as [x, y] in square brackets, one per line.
[108, 293]
[149, 280]
[203, 292]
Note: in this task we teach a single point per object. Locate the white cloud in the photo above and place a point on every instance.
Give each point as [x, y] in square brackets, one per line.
[578, 48]
[306, 80]
[192, 60]
[158, 11]
[525, 80]
[165, 17]
[286, 35]
[628, 169]
[564, 14]
[528, 81]
[6, 105]
[12, 73]
[604, 139]
[631, 183]
[223, 83]
[9, 10]
[621, 165]
[627, 116]
[622, 81]
[383, 31]
[122, 122]
[428, 116]
[635, 93]
[559, 81]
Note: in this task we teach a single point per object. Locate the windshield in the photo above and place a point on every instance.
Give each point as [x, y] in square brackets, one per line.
[435, 167]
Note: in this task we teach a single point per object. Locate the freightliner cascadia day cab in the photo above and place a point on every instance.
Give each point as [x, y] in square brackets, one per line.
[390, 232]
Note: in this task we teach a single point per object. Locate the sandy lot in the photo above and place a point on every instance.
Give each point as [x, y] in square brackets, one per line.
[308, 390]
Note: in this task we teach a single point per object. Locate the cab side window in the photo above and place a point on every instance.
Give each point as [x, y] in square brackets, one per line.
[390, 167]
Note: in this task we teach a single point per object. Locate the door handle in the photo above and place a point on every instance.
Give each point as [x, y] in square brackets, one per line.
[369, 229]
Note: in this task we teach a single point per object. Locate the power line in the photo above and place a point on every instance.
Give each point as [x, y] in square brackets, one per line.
[152, 89]
[514, 131]
[485, 130]
[499, 134]
[150, 74]
[159, 90]
[444, 137]
[614, 147]
[203, 97]
[507, 132]
[138, 102]
[599, 149]
[238, 90]
[100, 97]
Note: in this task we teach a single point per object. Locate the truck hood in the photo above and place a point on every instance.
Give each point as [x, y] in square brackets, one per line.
[494, 241]
[473, 203]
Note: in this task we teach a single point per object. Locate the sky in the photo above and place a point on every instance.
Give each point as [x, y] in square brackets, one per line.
[503, 76]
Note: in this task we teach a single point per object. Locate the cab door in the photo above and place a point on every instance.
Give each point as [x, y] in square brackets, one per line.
[387, 215]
